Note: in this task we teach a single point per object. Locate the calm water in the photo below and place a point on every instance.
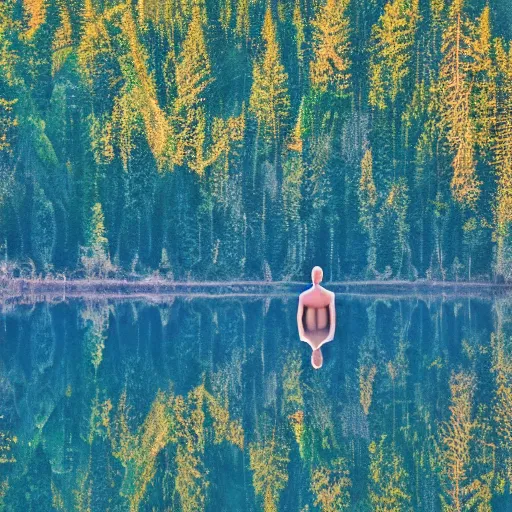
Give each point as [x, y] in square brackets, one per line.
[193, 403]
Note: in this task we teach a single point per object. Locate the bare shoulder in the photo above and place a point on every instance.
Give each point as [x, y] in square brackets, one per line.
[332, 295]
[304, 294]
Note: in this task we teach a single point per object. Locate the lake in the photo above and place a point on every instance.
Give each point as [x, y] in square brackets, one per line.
[185, 403]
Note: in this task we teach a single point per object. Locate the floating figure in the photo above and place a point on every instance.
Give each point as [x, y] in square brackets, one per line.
[316, 316]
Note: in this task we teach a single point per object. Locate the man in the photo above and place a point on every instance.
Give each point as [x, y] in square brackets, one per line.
[316, 316]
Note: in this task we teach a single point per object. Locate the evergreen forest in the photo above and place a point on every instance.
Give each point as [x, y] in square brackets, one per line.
[253, 139]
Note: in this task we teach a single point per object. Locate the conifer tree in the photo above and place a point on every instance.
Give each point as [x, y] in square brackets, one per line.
[270, 102]
[388, 478]
[367, 205]
[300, 38]
[242, 26]
[269, 460]
[455, 112]
[44, 229]
[141, 90]
[394, 38]
[329, 68]
[192, 78]
[484, 83]
[62, 42]
[456, 438]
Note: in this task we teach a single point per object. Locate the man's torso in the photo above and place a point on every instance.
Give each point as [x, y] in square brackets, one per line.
[316, 297]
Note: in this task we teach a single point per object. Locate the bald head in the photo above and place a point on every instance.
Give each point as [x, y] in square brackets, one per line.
[317, 275]
[317, 359]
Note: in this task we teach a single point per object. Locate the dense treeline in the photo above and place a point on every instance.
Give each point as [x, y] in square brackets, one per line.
[250, 139]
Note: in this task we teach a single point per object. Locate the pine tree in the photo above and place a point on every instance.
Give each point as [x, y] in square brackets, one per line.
[270, 102]
[331, 485]
[62, 42]
[141, 89]
[192, 78]
[96, 238]
[388, 478]
[243, 23]
[484, 83]
[329, 68]
[455, 113]
[394, 38]
[269, 460]
[95, 258]
[44, 230]
[367, 208]
[300, 38]
[456, 438]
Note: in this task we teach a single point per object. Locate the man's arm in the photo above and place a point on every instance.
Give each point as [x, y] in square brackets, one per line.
[332, 319]
[300, 325]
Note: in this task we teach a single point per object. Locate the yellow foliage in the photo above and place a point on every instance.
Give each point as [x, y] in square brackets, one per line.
[165, 15]
[96, 316]
[455, 106]
[95, 43]
[367, 191]
[7, 123]
[101, 140]
[329, 68]
[484, 83]
[394, 37]
[300, 38]
[388, 478]
[177, 420]
[295, 143]
[6, 443]
[268, 461]
[270, 102]
[502, 368]
[242, 19]
[331, 485]
[456, 435]
[62, 41]
[137, 452]
[366, 378]
[292, 389]
[190, 483]
[144, 94]
[35, 12]
[465, 186]
[57, 499]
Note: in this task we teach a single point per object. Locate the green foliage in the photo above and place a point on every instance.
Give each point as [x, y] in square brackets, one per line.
[95, 258]
[43, 229]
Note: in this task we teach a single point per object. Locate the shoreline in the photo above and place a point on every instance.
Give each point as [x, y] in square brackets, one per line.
[148, 287]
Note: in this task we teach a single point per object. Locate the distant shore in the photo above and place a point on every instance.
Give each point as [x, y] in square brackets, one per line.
[13, 287]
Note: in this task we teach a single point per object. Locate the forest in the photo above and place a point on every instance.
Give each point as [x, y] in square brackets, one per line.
[251, 139]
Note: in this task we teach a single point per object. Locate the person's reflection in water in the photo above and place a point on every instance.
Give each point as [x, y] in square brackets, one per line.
[316, 317]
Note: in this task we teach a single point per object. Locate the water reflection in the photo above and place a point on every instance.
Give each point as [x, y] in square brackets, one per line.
[200, 404]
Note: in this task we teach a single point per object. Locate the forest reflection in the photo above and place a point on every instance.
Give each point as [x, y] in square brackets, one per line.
[212, 404]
